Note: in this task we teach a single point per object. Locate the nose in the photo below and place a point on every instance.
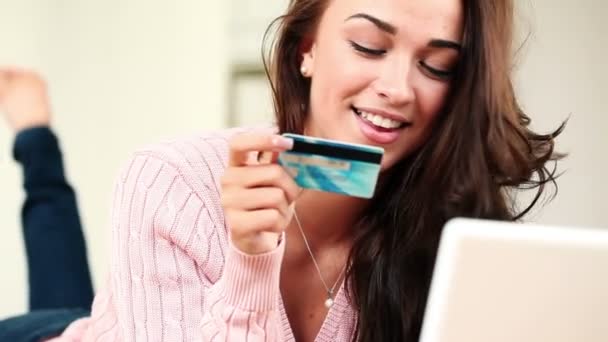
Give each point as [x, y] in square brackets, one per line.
[394, 84]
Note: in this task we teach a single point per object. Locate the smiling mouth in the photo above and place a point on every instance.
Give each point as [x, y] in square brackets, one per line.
[379, 120]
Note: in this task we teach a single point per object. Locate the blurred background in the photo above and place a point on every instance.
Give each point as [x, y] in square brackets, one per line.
[126, 73]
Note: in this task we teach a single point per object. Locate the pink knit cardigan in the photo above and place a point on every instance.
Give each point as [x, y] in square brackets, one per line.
[174, 274]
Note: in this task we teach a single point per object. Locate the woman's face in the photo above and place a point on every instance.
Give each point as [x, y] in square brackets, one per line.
[381, 70]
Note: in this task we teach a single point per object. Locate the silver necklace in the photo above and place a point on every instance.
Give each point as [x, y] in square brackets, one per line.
[329, 302]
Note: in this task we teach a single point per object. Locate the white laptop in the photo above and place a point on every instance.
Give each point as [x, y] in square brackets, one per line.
[513, 282]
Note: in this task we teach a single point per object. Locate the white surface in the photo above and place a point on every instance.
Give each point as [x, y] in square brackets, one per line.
[510, 282]
[127, 72]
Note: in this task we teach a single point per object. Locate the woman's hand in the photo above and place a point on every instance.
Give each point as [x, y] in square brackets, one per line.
[23, 98]
[256, 196]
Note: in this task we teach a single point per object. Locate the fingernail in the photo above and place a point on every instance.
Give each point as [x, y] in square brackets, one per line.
[283, 142]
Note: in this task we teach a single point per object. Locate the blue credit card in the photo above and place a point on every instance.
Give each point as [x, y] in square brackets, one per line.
[333, 166]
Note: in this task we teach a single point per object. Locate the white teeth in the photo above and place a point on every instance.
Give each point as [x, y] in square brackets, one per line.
[377, 120]
[380, 121]
[386, 122]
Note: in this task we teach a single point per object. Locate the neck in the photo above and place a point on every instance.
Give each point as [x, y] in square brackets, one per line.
[328, 219]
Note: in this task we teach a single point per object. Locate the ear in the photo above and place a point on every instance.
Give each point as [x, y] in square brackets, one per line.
[307, 53]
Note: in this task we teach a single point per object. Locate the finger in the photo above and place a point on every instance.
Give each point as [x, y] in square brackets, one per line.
[241, 145]
[269, 175]
[264, 220]
[267, 157]
[257, 199]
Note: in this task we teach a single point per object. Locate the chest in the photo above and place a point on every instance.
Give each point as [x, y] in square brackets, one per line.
[304, 299]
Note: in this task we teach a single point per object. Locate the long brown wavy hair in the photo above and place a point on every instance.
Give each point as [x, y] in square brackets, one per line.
[481, 153]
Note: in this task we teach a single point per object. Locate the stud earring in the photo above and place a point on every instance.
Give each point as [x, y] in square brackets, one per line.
[304, 71]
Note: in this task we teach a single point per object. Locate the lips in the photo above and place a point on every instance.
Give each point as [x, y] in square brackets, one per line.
[379, 120]
[378, 127]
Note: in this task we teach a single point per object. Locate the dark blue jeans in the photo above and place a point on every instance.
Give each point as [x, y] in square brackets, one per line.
[60, 289]
[38, 325]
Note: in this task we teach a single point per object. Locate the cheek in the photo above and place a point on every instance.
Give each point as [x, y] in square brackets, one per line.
[430, 99]
[339, 74]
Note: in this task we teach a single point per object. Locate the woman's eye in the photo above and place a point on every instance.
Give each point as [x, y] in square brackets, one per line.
[443, 75]
[367, 51]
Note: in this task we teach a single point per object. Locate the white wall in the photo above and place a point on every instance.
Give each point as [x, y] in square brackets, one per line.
[127, 72]
[563, 75]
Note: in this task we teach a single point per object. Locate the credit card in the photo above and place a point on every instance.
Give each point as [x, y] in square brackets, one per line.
[333, 166]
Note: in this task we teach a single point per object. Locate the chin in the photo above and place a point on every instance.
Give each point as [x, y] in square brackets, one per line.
[390, 159]
[387, 163]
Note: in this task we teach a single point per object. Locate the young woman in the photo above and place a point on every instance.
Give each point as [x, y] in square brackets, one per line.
[212, 245]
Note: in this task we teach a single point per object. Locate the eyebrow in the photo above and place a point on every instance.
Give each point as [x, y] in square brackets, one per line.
[381, 24]
[392, 30]
[441, 43]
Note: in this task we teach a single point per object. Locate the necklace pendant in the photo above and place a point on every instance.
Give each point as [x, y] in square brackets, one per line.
[329, 302]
